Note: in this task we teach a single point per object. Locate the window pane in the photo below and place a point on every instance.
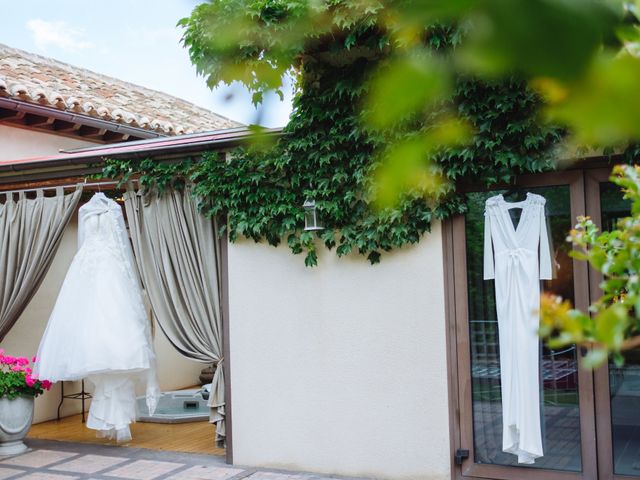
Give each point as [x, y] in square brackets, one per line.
[559, 382]
[624, 382]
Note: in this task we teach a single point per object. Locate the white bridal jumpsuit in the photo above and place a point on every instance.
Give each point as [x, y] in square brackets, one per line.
[99, 328]
[513, 262]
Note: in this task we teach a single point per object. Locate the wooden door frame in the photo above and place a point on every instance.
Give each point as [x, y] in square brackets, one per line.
[226, 349]
[459, 358]
[593, 179]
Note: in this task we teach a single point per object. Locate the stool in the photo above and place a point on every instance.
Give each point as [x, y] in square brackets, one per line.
[81, 395]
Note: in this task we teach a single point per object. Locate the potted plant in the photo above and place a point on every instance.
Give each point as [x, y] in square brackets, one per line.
[18, 388]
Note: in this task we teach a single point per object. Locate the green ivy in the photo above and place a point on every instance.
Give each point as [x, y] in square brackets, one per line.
[326, 154]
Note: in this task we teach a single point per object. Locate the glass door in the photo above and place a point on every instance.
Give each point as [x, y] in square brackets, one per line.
[566, 391]
[617, 389]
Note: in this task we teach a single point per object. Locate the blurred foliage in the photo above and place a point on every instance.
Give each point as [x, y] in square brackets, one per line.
[453, 91]
[580, 56]
[397, 101]
[613, 323]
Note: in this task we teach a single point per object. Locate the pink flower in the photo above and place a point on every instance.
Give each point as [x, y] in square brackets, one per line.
[16, 368]
[7, 360]
[46, 384]
[34, 359]
[27, 370]
[22, 361]
[29, 380]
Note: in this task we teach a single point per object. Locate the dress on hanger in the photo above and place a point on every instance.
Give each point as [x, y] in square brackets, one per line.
[518, 257]
[99, 328]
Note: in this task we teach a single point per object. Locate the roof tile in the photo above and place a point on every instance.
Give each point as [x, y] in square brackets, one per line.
[36, 79]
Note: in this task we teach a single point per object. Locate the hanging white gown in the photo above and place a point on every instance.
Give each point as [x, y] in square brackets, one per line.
[517, 268]
[99, 328]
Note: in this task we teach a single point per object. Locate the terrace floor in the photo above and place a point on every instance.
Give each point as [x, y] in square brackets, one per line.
[193, 437]
[50, 460]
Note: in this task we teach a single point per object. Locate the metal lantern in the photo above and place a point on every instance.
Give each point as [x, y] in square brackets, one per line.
[311, 220]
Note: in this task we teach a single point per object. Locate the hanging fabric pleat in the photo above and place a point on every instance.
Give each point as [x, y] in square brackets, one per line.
[30, 234]
[177, 253]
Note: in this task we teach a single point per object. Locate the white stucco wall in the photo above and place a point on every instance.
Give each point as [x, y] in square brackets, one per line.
[18, 143]
[340, 368]
[174, 371]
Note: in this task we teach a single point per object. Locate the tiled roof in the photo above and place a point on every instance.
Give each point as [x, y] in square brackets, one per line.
[44, 81]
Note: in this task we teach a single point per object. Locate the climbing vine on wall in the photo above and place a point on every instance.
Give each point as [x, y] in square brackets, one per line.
[325, 153]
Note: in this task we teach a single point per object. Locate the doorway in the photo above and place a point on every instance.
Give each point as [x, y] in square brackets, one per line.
[590, 419]
[176, 374]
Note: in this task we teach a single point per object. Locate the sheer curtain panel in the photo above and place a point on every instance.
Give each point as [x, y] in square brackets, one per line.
[177, 254]
[30, 232]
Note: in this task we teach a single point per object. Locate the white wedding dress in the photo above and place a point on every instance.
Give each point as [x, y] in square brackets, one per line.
[99, 328]
[518, 257]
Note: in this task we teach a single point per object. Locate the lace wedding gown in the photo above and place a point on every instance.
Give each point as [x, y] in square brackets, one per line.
[518, 257]
[99, 329]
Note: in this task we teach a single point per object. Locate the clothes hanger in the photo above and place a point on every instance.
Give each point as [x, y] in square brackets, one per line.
[515, 194]
[514, 206]
[99, 193]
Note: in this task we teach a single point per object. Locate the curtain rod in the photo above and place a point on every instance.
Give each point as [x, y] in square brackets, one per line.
[70, 185]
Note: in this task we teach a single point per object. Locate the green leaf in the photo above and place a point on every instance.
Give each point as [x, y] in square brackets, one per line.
[407, 165]
[600, 108]
[610, 325]
[407, 85]
[311, 260]
[594, 358]
[548, 38]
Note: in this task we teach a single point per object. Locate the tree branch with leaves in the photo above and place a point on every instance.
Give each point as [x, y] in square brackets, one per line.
[612, 324]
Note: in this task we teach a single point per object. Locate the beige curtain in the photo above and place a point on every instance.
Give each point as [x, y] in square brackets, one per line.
[30, 233]
[178, 257]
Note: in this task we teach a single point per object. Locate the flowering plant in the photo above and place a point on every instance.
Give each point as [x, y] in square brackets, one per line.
[16, 377]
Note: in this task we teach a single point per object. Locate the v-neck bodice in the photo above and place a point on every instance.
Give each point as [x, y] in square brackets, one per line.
[523, 204]
[506, 235]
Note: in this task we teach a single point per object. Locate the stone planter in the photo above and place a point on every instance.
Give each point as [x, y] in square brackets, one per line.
[16, 416]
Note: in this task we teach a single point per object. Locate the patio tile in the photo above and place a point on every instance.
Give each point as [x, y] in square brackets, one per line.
[89, 464]
[201, 472]
[9, 472]
[47, 476]
[144, 469]
[38, 458]
[278, 476]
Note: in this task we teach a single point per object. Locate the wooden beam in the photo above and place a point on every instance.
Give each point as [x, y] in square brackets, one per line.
[11, 115]
[115, 137]
[63, 179]
[38, 121]
[26, 119]
[63, 126]
[91, 132]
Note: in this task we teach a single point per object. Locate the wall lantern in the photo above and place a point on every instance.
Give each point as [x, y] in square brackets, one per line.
[311, 221]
